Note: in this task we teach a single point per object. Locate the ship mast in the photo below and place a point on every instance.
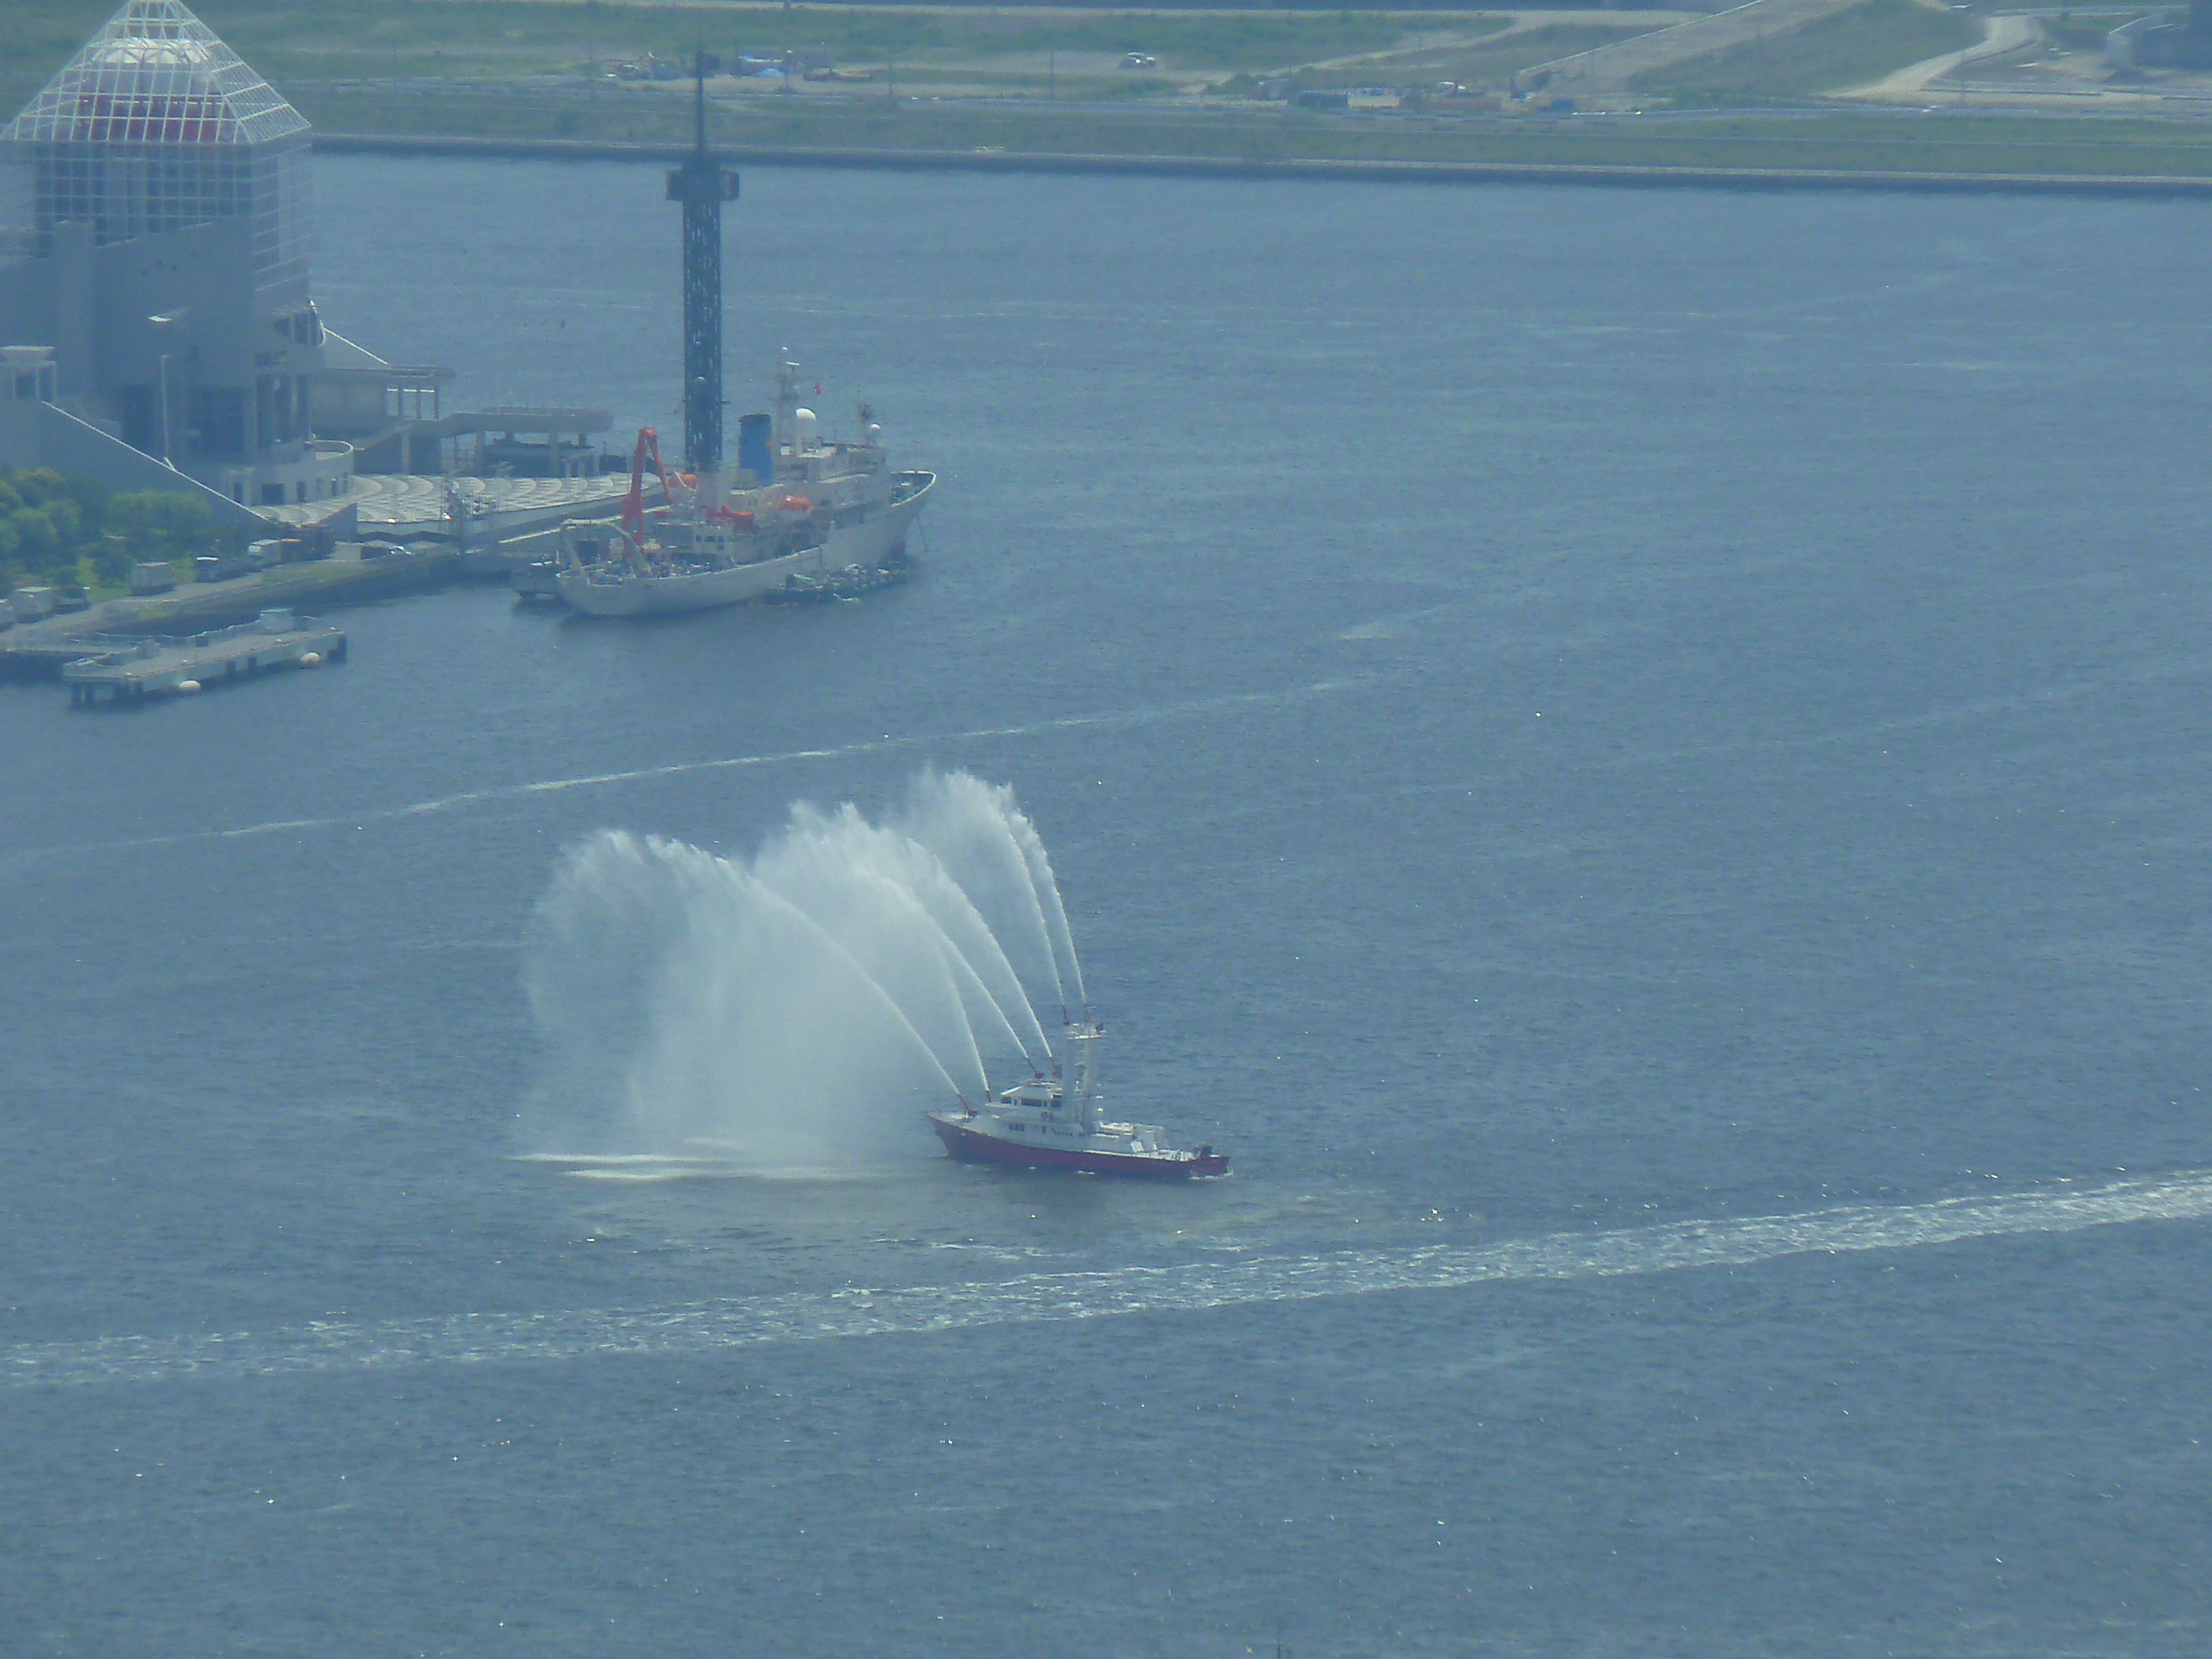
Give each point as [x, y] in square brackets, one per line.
[1082, 1079]
[785, 375]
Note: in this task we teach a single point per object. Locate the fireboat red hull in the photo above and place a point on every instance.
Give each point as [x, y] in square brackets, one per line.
[971, 1147]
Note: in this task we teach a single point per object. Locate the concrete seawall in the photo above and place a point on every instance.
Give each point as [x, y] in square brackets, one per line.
[1470, 172]
[37, 651]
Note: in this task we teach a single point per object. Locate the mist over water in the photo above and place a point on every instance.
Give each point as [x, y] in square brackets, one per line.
[987, 844]
[798, 1010]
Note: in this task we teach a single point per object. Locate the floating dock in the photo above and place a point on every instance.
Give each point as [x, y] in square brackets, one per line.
[131, 670]
[850, 583]
[39, 651]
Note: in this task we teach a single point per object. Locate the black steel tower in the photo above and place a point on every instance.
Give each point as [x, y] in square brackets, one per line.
[703, 184]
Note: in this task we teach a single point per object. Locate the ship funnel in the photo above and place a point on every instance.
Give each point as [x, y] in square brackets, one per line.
[755, 446]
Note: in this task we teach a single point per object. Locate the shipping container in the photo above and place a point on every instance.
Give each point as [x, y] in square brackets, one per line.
[32, 603]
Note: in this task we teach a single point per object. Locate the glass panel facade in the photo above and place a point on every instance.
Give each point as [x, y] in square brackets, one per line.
[156, 125]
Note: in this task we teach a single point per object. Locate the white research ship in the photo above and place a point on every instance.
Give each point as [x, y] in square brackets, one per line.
[797, 508]
[1043, 1126]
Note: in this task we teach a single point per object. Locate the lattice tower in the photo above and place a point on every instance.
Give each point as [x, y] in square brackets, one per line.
[703, 184]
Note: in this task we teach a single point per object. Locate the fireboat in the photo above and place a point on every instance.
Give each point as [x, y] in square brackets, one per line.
[1044, 1125]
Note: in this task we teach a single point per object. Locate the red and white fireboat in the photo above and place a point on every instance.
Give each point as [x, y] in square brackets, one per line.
[1046, 1126]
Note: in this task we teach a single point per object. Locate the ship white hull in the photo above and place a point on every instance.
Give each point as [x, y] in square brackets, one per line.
[868, 543]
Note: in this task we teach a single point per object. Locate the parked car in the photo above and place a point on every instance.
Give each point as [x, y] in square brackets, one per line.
[72, 598]
[1140, 60]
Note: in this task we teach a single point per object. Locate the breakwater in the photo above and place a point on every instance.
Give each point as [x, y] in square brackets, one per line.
[1207, 167]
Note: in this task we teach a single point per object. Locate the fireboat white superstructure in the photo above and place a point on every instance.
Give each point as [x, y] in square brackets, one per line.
[797, 508]
[1044, 1125]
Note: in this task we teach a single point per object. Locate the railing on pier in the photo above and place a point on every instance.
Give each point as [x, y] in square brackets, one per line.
[110, 650]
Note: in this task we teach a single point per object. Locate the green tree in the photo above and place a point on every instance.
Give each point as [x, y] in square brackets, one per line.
[67, 519]
[37, 545]
[161, 524]
[10, 500]
[110, 562]
[38, 485]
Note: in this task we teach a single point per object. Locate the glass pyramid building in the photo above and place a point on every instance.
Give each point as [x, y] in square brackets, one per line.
[155, 124]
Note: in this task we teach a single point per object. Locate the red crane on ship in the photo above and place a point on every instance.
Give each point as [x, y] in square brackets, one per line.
[633, 513]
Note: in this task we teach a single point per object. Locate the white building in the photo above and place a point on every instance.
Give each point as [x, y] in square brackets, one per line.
[163, 257]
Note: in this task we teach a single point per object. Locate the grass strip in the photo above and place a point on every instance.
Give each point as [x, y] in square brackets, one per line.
[288, 39]
[1841, 140]
[1844, 49]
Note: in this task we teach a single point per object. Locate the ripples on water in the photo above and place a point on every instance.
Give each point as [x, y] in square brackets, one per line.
[698, 1328]
[1631, 756]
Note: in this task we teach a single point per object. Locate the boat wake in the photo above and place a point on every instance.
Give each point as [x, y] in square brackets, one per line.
[1186, 709]
[732, 1162]
[704, 1327]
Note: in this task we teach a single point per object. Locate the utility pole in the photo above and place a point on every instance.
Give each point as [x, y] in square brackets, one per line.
[164, 327]
[166, 459]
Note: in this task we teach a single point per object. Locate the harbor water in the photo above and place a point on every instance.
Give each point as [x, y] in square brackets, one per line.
[1571, 724]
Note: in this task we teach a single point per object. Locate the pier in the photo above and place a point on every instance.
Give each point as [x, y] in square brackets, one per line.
[131, 670]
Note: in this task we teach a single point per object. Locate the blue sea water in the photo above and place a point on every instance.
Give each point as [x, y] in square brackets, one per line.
[1567, 721]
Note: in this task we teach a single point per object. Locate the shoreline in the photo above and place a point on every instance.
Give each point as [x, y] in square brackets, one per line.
[1619, 174]
[36, 651]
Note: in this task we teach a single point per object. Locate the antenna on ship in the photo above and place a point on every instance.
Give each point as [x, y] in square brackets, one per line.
[1081, 1086]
